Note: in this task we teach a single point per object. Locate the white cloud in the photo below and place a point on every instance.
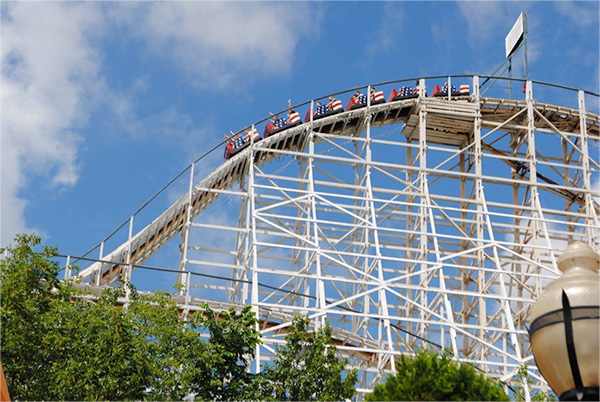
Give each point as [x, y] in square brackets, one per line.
[217, 42]
[389, 30]
[488, 20]
[48, 67]
[485, 19]
[52, 75]
[581, 13]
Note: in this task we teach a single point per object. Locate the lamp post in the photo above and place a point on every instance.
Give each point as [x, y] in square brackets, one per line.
[565, 327]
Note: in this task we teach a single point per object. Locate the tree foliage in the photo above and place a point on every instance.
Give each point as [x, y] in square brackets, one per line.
[519, 390]
[306, 368]
[26, 296]
[233, 339]
[431, 377]
[56, 346]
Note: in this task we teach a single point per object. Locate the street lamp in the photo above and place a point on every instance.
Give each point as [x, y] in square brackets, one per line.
[565, 327]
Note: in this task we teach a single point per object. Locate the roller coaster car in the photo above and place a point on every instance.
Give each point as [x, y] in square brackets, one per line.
[337, 108]
[405, 93]
[353, 104]
[270, 130]
[236, 150]
[227, 153]
[462, 91]
[230, 153]
[378, 98]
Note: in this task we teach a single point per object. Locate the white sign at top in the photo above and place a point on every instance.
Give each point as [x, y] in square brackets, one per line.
[515, 36]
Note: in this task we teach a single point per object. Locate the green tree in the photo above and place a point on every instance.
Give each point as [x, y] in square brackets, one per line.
[306, 367]
[27, 280]
[91, 351]
[58, 344]
[431, 377]
[232, 343]
[59, 347]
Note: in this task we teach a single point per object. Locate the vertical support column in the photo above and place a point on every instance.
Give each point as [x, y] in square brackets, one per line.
[254, 251]
[68, 268]
[567, 183]
[241, 259]
[304, 169]
[479, 221]
[360, 243]
[307, 174]
[423, 215]
[531, 156]
[536, 207]
[249, 240]
[129, 268]
[477, 183]
[320, 287]
[183, 279]
[410, 229]
[413, 177]
[99, 273]
[518, 237]
[476, 95]
[247, 246]
[532, 161]
[591, 219]
[304, 213]
[465, 275]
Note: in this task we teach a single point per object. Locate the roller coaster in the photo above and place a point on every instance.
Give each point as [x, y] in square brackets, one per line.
[433, 218]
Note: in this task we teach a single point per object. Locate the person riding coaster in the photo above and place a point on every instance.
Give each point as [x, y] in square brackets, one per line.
[278, 124]
[357, 101]
[252, 135]
[334, 106]
[276, 121]
[405, 92]
[238, 143]
[293, 117]
[229, 146]
[463, 90]
[376, 96]
[444, 90]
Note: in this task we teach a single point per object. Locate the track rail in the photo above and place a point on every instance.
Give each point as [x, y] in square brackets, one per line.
[443, 127]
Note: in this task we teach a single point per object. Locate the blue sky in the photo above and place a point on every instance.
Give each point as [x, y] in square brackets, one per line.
[104, 102]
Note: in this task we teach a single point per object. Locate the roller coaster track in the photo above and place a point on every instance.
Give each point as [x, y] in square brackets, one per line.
[443, 128]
